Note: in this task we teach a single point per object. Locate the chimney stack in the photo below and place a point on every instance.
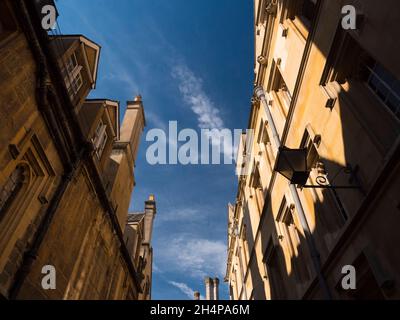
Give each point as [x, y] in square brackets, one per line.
[133, 125]
[209, 288]
[196, 295]
[150, 211]
[120, 171]
[216, 289]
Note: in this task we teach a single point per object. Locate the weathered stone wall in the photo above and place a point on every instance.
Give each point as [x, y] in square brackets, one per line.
[81, 243]
[84, 249]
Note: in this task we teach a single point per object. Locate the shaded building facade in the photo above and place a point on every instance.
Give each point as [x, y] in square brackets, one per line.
[66, 166]
[138, 235]
[332, 95]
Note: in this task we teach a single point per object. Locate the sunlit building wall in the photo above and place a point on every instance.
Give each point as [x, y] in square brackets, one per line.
[335, 92]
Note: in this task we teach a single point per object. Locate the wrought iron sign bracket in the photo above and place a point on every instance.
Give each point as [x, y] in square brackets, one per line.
[323, 183]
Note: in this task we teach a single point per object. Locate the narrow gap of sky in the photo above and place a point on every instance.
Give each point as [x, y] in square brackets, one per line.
[155, 48]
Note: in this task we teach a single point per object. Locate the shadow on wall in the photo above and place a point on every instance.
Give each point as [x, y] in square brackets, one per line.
[349, 226]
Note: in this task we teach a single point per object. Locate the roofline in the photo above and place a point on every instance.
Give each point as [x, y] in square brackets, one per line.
[112, 102]
[75, 36]
[102, 100]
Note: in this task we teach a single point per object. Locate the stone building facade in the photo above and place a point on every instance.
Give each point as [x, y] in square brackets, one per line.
[332, 97]
[66, 166]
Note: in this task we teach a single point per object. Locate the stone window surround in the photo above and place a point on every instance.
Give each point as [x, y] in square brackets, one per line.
[38, 179]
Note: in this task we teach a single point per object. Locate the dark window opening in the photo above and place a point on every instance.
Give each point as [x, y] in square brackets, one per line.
[382, 83]
[307, 11]
[11, 189]
[258, 189]
[315, 164]
[292, 238]
[280, 87]
[304, 10]
[274, 273]
[349, 61]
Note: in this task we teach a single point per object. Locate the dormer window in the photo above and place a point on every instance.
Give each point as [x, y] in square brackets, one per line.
[100, 139]
[72, 75]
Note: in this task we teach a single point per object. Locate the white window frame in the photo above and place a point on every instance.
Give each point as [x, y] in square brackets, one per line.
[72, 75]
[100, 139]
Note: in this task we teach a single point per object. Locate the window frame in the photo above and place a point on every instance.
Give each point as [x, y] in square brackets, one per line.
[17, 186]
[276, 87]
[72, 74]
[273, 271]
[100, 139]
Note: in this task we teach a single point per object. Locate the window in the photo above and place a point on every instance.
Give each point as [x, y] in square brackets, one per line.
[100, 139]
[243, 292]
[291, 237]
[70, 65]
[318, 168]
[246, 252]
[349, 61]
[307, 11]
[274, 273]
[383, 84]
[258, 189]
[11, 189]
[266, 146]
[312, 153]
[372, 281]
[278, 85]
[304, 10]
[71, 73]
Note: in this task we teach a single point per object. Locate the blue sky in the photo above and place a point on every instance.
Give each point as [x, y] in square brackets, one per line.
[161, 49]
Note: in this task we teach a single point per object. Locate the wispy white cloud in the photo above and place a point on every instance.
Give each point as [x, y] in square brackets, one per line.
[156, 269]
[208, 115]
[189, 292]
[121, 76]
[191, 89]
[183, 214]
[155, 120]
[194, 257]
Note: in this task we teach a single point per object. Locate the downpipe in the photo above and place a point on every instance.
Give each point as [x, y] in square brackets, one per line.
[315, 256]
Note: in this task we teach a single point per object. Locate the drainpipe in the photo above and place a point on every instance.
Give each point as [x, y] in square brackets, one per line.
[31, 255]
[259, 92]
